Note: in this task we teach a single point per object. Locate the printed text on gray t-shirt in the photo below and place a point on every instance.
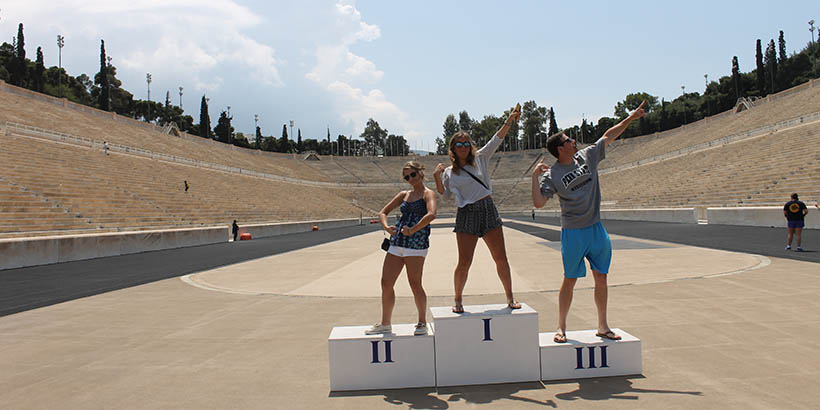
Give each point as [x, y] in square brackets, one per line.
[577, 187]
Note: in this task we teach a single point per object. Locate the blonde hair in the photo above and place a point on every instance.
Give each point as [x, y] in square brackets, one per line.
[415, 166]
[470, 157]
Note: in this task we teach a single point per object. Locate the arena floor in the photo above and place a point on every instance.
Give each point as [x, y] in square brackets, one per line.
[731, 324]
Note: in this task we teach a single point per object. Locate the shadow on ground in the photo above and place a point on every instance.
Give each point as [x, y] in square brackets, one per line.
[613, 388]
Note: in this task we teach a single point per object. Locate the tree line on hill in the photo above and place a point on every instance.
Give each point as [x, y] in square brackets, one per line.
[774, 72]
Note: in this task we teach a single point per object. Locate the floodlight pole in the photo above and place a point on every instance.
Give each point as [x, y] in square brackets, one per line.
[683, 94]
[148, 81]
[813, 51]
[180, 97]
[60, 44]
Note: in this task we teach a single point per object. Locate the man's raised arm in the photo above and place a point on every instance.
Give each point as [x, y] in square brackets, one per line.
[616, 131]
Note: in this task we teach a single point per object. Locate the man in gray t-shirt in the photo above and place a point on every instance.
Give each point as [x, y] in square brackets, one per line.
[574, 178]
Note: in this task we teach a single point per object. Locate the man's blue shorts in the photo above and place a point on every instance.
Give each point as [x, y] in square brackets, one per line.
[795, 224]
[592, 243]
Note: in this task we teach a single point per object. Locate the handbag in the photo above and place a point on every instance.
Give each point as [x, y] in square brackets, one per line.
[385, 244]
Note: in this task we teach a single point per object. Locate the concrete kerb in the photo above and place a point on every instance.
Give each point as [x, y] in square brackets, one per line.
[22, 252]
[769, 216]
[285, 228]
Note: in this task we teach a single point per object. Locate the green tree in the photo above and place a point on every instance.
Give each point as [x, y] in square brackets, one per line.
[450, 127]
[761, 81]
[224, 130]
[486, 128]
[38, 77]
[373, 136]
[18, 62]
[396, 145]
[632, 101]
[284, 143]
[300, 146]
[204, 119]
[770, 62]
[101, 79]
[258, 140]
[736, 77]
[553, 128]
[465, 123]
[533, 125]
[781, 47]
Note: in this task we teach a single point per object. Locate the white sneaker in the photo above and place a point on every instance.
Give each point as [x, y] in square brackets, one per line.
[788, 247]
[421, 329]
[379, 329]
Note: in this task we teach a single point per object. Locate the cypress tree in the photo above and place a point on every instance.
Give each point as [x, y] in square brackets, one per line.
[553, 129]
[39, 72]
[781, 46]
[18, 68]
[258, 138]
[204, 119]
[299, 145]
[736, 76]
[761, 82]
[284, 144]
[104, 100]
[770, 61]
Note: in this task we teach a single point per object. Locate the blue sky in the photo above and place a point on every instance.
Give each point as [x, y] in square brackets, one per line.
[406, 64]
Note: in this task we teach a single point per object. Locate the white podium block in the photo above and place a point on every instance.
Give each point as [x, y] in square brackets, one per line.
[389, 361]
[585, 355]
[486, 344]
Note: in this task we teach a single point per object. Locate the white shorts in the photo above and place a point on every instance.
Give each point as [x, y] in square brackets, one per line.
[402, 252]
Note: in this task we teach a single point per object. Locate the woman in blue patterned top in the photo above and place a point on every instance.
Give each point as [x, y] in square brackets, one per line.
[409, 241]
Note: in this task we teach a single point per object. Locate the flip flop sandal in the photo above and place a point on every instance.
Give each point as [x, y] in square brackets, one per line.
[608, 335]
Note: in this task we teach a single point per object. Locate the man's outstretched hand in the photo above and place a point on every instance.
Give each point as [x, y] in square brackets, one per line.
[639, 112]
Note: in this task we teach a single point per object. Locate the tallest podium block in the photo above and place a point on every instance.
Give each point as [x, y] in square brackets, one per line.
[486, 344]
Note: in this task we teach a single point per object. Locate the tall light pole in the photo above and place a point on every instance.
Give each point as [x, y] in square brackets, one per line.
[706, 81]
[60, 44]
[229, 111]
[291, 130]
[813, 52]
[148, 81]
[180, 97]
[682, 94]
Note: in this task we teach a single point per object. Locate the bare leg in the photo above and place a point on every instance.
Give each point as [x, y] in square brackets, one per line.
[564, 302]
[799, 233]
[415, 266]
[791, 234]
[391, 269]
[601, 296]
[466, 248]
[495, 242]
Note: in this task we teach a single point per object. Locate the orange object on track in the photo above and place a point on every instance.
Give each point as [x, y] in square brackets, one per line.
[245, 237]
[315, 227]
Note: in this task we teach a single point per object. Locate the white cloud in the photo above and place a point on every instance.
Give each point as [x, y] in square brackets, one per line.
[347, 76]
[177, 38]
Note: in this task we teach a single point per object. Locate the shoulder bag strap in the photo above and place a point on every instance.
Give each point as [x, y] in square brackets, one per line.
[476, 178]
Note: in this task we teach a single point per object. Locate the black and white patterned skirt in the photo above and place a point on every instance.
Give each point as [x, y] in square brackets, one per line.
[478, 218]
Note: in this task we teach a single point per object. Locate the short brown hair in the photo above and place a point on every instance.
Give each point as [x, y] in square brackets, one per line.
[553, 142]
[470, 157]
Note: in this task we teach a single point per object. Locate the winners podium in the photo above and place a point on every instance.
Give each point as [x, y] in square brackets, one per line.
[485, 344]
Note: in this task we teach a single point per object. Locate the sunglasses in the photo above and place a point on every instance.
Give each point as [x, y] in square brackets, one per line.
[410, 175]
[462, 144]
[566, 141]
